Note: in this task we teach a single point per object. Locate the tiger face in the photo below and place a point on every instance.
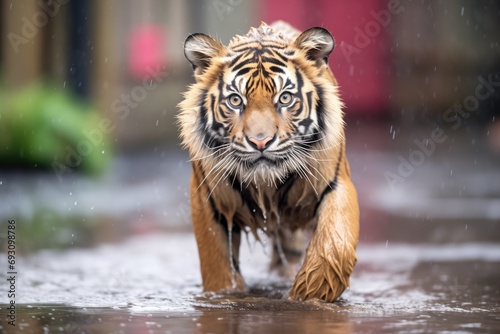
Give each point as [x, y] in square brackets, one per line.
[263, 107]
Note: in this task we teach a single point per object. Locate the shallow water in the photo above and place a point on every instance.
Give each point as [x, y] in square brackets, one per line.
[151, 284]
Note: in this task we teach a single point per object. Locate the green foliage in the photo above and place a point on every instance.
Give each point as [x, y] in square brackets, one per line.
[50, 229]
[40, 125]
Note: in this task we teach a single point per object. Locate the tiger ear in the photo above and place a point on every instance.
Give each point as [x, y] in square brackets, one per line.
[199, 49]
[317, 42]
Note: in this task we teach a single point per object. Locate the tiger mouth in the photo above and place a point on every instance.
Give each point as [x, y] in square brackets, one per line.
[263, 161]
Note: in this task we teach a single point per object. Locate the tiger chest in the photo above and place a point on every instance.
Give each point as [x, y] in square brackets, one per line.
[266, 208]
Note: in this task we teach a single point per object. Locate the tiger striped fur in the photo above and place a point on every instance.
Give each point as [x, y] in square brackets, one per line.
[263, 124]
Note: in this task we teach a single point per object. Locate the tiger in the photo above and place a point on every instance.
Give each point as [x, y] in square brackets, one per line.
[263, 125]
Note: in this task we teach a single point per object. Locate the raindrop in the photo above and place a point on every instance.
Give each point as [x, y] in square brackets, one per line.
[466, 227]
[76, 203]
[462, 13]
[386, 243]
[451, 172]
[102, 151]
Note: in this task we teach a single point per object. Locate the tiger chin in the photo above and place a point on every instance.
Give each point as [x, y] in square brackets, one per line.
[263, 124]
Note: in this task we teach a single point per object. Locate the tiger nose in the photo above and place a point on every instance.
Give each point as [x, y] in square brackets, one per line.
[260, 142]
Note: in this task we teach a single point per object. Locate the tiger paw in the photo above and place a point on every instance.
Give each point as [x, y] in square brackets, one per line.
[318, 280]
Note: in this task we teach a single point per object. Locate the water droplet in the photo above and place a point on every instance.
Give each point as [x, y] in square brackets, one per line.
[462, 13]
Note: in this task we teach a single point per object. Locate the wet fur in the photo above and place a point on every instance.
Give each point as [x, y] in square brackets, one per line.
[310, 189]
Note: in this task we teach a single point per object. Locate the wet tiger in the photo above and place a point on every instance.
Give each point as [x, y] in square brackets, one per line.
[263, 124]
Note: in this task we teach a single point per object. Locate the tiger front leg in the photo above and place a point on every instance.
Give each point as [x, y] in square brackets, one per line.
[331, 254]
[219, 265]
[288, 250]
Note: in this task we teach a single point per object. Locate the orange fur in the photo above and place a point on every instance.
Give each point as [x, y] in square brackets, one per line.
[263, 164]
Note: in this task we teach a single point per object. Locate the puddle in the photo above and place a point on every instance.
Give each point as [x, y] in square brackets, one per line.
[152, 284]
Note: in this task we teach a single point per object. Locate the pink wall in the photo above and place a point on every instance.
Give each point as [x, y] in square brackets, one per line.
[361, 59]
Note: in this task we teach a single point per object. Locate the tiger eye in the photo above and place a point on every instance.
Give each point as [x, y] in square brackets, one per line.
[285, 98]
[235, 100]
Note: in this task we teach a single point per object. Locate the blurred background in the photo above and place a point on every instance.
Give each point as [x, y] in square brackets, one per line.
[89, 151]
[92, 172]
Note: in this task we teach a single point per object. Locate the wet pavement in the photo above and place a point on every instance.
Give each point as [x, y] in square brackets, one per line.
[116, 255]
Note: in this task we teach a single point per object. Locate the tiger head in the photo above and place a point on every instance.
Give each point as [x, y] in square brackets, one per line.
[263, 107]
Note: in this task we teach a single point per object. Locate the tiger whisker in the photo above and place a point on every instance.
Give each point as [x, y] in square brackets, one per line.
[215, 167]
[223, 176]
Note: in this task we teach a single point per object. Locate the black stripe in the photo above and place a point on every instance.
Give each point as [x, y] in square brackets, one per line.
[306, 122]
[320, 109]
[211, 142]
[242, 44]
[215, 124]
[333, 184]
[276, 69]
[235, 60]
[285, 188]
[202, 125]
[281, 56]
[243, 71]
[246, 196]
[244, 62]
[300, 80]
[273, 61]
